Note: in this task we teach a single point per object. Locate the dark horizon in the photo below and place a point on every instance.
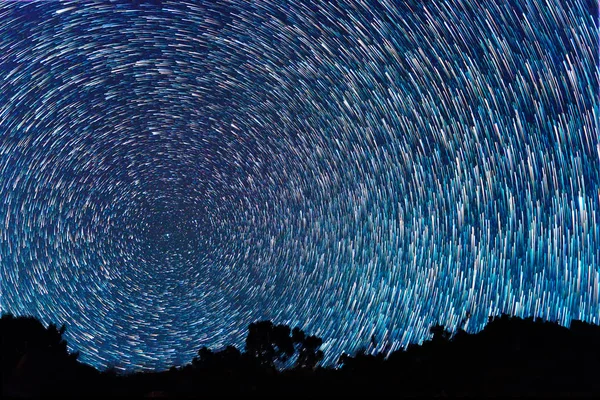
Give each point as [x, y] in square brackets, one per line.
[509, 357]
[367, 349]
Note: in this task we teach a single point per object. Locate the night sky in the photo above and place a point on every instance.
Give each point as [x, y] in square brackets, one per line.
[173, 171]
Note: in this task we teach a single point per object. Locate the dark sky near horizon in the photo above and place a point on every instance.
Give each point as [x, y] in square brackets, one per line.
[171, 171]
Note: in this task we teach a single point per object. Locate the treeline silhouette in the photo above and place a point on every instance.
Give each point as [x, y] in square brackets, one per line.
[511, 356]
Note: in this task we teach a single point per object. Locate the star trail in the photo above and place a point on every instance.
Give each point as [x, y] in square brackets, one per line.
[171, 171]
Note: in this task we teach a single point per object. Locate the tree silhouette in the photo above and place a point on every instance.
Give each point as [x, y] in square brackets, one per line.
[228, 358]
[204, 358]
[308, 353]
[268, 343]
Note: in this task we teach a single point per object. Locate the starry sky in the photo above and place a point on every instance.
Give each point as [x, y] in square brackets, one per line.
[171, 171]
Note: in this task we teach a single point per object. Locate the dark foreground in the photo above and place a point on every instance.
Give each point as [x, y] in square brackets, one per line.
[509, 357]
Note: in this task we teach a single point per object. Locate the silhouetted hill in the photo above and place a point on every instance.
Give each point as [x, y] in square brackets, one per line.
[35, 359]
[510, 357]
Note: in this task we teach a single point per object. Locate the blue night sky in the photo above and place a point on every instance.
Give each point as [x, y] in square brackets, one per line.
[171, 171]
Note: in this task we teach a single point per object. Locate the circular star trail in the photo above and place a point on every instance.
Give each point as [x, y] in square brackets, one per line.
[173, 171]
